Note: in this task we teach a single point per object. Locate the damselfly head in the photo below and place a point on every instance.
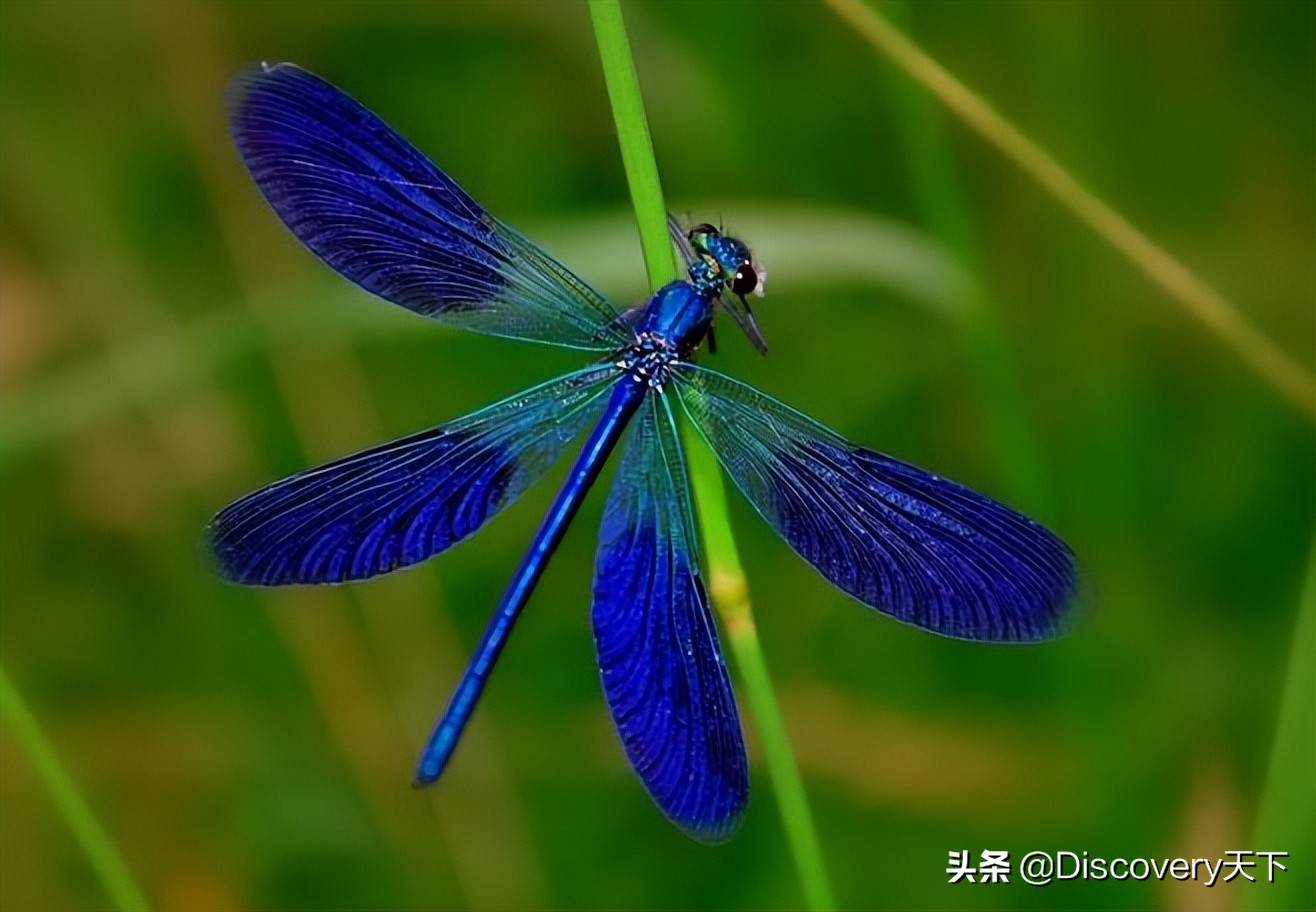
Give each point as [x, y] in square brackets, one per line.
[733, 259]
[733, 266]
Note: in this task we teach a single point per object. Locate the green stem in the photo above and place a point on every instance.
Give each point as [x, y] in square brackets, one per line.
[633, 136]
[728, 586]
[95, 843]
[1288, 800]
[730, 593]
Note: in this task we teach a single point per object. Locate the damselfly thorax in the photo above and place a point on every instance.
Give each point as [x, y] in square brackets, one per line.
[672, 325]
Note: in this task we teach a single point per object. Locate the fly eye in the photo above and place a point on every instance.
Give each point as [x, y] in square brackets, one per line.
[746, 280]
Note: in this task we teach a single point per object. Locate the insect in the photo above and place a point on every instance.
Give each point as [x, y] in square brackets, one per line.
[910, 544]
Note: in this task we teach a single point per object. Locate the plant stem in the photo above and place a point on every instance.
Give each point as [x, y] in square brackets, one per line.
[88, 832]
[1198, 299]
[730, 593]
[633, 137]
[728, 587]
[1288, 799]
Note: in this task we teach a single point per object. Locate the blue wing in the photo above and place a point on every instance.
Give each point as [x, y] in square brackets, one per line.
[922, 549]
[370, 205]
[658, 654]
[399, 503]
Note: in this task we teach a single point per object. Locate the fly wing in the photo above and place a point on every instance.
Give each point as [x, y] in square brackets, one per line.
[662, 670]
[370, 205]
[911, 544]
[401, 502]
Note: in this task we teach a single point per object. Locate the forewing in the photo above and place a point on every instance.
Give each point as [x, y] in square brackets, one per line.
[378, 211]
[922, 549]
[662, 670]
[399, 503]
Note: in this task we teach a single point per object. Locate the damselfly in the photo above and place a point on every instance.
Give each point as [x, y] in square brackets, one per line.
[915, 546]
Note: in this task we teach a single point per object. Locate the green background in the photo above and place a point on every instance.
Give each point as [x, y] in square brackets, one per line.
[165, 346]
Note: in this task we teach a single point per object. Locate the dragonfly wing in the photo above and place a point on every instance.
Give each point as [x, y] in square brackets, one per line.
[662, 671]
[374, 208]
[399, 503]
[922, 549]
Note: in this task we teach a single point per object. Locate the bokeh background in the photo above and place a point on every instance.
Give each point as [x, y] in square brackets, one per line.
[165, 346]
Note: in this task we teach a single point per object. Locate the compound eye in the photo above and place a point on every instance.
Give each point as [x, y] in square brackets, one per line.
[746, 280]
[703, 228]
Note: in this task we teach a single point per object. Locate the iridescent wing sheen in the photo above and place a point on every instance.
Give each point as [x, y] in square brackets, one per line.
[399, 503]
[915, 546]
[370, 205]
[662, 671]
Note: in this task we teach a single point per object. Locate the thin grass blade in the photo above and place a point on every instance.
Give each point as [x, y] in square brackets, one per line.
[729, 589]
[92, 838]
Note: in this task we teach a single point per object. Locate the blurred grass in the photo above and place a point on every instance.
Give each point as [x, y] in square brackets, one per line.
[91, 836]
[837, 246]
[234, 774]
[1286, 814]
[1288, 376]
[940, 201]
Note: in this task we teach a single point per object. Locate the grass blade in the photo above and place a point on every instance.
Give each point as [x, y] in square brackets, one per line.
[91, 836]
[1286, 817]
[633, 137]
[728, 587]
[1197, 298]
[730, 593]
